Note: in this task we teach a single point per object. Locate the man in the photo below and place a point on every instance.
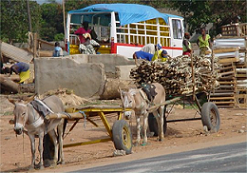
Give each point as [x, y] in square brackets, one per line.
[204, 42]
[186, 44]
[20, 68]
[161, 56]
[151, 48]
[142, 55]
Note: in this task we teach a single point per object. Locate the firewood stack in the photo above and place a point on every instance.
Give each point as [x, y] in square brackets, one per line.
[176, 74]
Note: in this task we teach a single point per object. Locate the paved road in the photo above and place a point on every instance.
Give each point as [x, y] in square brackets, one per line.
[228, 158]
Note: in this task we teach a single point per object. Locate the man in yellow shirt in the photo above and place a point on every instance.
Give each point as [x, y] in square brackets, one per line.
[204, 42]
[160, 55]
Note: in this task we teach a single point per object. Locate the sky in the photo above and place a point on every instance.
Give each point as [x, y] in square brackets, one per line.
[45, 1]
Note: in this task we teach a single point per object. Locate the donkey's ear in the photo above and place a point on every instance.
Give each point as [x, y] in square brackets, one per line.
[121, 93]
[29, 99]
[12, 101]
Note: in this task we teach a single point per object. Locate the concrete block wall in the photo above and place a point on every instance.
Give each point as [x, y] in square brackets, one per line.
[110, 61]
[85, 74]
[86, 79]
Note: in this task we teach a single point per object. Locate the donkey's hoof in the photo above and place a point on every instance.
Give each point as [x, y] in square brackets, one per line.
[136, 144]
[161, 140]
[61, 162]
[31, 168]
[41, 167]
[144, 144]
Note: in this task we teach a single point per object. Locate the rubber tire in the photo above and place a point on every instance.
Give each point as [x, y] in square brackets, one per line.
[210, 116]
[153, 125]
[121, 136]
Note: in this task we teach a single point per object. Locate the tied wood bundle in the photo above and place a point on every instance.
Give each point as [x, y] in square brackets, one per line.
[176, 74]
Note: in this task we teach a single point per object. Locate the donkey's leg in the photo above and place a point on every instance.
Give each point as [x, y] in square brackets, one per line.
[53, 136]
[41, 149]
[145, 125]
[161, 121]
[32, 141]
[138, 128]
[60, 141]
[158, 119]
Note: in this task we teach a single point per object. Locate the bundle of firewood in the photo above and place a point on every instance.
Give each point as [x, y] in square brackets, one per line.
[176, 74]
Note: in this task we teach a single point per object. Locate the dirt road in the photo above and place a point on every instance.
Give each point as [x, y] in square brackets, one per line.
[180, 136]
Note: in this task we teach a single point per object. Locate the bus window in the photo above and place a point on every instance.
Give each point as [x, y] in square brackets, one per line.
[177, 29]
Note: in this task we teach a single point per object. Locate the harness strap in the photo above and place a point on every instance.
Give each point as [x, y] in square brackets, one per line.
[43, 104]
[35, 124]
[144, 96]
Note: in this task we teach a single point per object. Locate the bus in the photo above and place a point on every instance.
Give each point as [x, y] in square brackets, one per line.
[126, 28]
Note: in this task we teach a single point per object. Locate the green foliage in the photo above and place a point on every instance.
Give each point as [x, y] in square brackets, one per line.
[52, 21]
[14, 20]
[198, 13]
[59, 37]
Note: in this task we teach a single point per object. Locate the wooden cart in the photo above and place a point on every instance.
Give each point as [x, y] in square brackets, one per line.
[208, 111]
[119, 133]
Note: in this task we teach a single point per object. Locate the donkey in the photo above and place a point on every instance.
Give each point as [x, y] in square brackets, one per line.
[29, 118]
[138, 101]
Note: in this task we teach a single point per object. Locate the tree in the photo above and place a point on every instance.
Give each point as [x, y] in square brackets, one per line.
[52, 21]
[221, 12]
[14, 20]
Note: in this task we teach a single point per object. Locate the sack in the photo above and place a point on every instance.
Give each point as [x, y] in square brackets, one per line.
[93, 34]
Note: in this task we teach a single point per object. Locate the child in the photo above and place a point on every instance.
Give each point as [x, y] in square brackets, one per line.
[58, 51]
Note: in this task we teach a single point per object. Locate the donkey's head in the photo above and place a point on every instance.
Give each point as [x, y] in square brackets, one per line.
[21, 116]
[128, 101]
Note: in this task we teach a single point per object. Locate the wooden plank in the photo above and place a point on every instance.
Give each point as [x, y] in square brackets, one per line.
[224, 50]
[226, 68]
[223, 91]
[222, 94]
[227, 82]
[16, 53]
[224, 102]
[227, 73]
[241, 75]
[227, 60]
[221, 98]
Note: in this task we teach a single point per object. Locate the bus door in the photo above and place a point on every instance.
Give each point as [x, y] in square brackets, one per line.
[176, 36]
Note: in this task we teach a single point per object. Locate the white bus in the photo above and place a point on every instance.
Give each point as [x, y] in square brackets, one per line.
[125, 28]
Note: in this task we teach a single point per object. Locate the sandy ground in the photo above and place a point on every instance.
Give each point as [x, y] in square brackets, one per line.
[180, 136]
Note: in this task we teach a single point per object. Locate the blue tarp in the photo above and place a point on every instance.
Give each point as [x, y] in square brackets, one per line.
[128, 13]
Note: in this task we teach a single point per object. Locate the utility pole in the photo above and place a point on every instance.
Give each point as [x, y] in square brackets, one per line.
[64, 23]
[29, 17]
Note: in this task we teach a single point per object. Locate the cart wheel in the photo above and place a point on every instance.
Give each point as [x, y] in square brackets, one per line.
[121, 135]
[210, 116]
[153, 125]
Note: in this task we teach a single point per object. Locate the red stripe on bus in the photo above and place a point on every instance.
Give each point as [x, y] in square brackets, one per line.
[133, 45]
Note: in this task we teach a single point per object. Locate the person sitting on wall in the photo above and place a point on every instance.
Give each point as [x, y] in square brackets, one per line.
[88, 46]
[20, 68]
[58, 51]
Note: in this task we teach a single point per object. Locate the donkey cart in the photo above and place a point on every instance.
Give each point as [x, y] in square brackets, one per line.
[208, 111]
[119, 133]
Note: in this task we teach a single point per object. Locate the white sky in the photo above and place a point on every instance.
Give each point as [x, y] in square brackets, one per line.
[43, 1]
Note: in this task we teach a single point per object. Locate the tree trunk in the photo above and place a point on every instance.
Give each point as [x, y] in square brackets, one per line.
[111, 90]
[7, 85]
[27, 88]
